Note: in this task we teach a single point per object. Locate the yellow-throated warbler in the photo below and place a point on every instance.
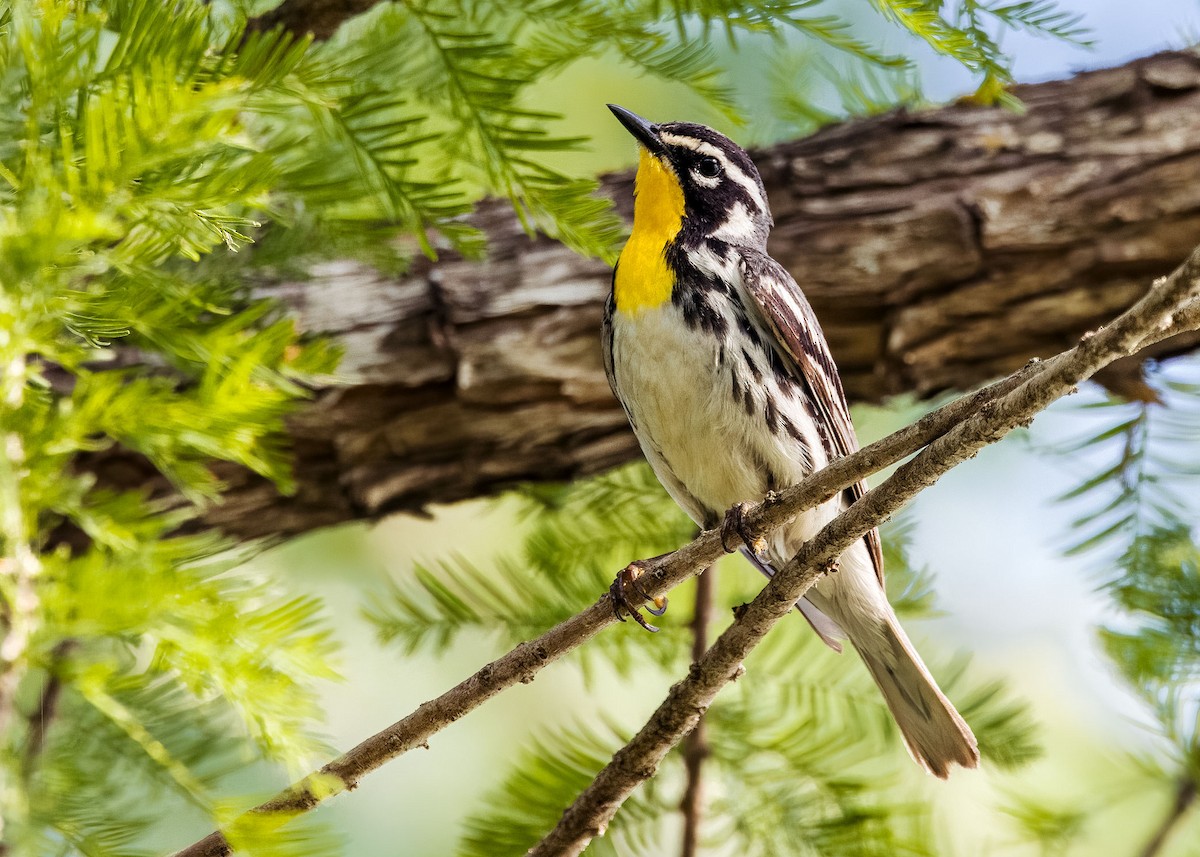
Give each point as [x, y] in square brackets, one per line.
[718, 360]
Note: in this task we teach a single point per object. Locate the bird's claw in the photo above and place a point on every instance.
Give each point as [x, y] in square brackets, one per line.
[734, 524]
[625, 589]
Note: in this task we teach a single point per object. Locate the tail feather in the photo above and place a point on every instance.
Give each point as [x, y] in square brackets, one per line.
[829, 631]
[934, 732]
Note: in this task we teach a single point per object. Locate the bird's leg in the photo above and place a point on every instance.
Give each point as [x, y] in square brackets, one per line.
[734, 524]
[628, 595]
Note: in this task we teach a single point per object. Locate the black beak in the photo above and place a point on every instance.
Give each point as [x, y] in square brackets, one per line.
[642, 130]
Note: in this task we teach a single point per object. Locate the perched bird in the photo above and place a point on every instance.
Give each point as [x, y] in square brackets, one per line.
[722, 368]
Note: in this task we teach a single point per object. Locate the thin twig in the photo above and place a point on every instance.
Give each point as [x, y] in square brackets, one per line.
[1185, 797]
[47, 708]
[695, 746]
[524, 662]
[638, 760]
[40, 719]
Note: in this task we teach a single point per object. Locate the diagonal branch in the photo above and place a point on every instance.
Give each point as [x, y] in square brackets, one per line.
[1185, 797]
[687, 701]
[982, 410]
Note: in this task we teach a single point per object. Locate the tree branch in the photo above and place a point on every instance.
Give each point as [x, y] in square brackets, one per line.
[940, 249]
[40, 718]
[320, 18]
[1185, 797]
[21, 565]
[987, 415]
[695, 747]
[638, 760]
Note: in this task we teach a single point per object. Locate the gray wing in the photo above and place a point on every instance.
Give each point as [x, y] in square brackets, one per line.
[785, 313]
[606, 338]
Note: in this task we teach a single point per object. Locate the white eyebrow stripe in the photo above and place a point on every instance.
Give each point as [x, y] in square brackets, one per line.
[686, 142]
[731, 169]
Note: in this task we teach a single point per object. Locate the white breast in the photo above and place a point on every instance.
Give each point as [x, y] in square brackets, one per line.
[708, 448]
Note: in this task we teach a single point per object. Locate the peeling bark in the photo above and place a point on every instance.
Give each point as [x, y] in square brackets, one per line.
[939, 248]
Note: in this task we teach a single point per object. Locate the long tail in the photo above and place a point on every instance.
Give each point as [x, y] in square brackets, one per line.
[934, 732]
[936, 735]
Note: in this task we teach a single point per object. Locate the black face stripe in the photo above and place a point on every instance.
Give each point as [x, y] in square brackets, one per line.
[705, 213]
[732, 204]
[703, 134]
[695, 291]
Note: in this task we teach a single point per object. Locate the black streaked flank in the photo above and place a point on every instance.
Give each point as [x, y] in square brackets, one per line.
[736, 384]
[790, 428]
[698, 311]
[771, 414]
[752, 364]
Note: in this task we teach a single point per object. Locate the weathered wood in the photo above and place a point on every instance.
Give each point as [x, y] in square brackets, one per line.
[939, 248]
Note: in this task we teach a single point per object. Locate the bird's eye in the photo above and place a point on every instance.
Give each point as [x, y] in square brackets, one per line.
[710, 168]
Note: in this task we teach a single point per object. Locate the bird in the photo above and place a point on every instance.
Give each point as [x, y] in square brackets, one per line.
[725, 376]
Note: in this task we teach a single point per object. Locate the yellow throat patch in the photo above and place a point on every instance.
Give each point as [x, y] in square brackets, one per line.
[643, 279]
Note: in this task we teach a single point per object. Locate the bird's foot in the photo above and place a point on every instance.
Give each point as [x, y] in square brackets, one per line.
[628, 596]
[734, 524]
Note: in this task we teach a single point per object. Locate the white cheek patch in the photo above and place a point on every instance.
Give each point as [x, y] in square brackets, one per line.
[738, 227]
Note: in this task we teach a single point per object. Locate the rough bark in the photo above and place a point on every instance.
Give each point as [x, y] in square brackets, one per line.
[939, 248]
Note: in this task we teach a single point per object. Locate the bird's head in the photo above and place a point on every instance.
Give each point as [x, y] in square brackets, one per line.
[692, 172]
